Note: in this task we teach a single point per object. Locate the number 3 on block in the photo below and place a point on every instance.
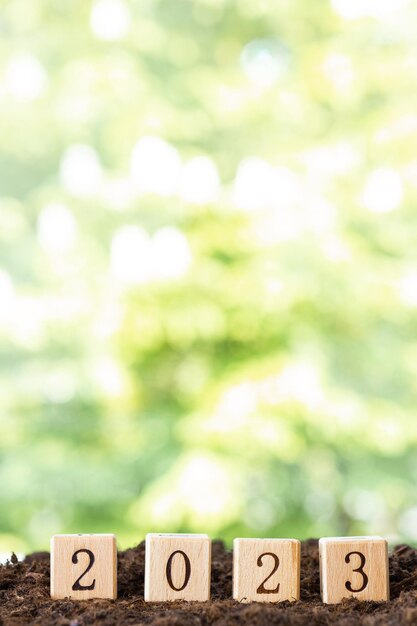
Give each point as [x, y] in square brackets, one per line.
[353, 567]
[266, 570]
[177, 567]
[83, 566]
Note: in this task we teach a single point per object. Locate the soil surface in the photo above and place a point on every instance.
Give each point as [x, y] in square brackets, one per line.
[24, 597]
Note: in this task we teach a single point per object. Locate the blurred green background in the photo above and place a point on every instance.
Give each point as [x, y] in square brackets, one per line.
[208, 268]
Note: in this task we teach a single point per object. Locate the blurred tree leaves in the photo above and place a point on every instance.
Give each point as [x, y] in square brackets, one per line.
[223, 343]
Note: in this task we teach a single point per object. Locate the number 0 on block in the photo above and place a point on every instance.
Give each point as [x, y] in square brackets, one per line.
[353, 567]
[83, 566]
[177, 567]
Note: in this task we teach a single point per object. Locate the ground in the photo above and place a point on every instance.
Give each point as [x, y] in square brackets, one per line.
[24, 597]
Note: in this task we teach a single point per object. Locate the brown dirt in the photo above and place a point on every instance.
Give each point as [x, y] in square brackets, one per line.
[24, 597]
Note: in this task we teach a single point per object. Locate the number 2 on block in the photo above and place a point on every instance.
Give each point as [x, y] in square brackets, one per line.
[77, 586]
[262, 588]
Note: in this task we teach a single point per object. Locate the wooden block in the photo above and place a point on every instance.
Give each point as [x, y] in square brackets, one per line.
[353, 567]
[83, 566]
[177, 567]
[266, 570]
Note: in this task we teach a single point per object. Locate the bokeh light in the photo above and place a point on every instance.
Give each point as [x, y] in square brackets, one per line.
[208, 277]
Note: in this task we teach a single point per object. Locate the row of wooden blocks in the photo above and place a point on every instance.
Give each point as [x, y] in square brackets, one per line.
[177, 567]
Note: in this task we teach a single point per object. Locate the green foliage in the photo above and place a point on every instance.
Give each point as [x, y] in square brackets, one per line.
[221, 344]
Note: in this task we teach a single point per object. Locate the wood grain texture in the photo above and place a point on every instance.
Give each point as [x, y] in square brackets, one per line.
[338, 579]
[254, 562]
[68, 565]
[177, 567]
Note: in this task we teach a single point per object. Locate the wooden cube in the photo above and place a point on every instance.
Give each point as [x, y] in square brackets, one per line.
[266, 570]
[353, 567]
[83, 566]
[177, 567]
